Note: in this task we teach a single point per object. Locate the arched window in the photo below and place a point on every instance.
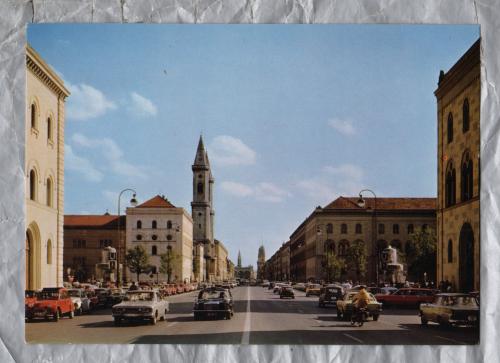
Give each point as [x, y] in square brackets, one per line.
[466, 178]
[49, 192]
[154, 250]
[450, 251]
[450, 186]
[33, 115]
[139, 224]
[153, 225]
[49, 252]
[395, 228]
[138, 237]
[465, 116]
[330, 246]
[359, 228]
[329, 228]
[169, 237]
[49, 128]
[410, 228]
[450, 128]
[32, 184]
[200, 188]
[169, 248]
[343, 246]
[343, 228]
[169, 224]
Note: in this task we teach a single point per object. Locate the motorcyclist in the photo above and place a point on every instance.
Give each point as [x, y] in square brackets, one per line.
[361, 300]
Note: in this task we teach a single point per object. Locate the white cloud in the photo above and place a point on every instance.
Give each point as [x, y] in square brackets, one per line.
[141, 106]
[237, 189]
[86, 102]
[111, 153]
[319, 190]
[265, 192]
[347, 171]
[228, 151]
[81, 165]
[345, 127]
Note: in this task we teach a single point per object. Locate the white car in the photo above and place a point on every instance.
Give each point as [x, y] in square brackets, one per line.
[80, 301]
[140, 305]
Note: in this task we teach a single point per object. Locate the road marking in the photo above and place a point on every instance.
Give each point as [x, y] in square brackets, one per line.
[353, 338]
[172, 324]
[450, 340]
[245, 338]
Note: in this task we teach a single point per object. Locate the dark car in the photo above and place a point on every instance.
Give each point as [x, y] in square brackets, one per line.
[213, 303]
[116, 296]
[287, 291]
[102, 297]
[328, 295]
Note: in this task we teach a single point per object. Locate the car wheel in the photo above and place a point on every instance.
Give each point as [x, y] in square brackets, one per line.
[375, 317]
[339, 315]
[71, 314]
[57, 315]
[307, 295]
[228, 316]
[154, 319]
[423, 321]
[165, 315]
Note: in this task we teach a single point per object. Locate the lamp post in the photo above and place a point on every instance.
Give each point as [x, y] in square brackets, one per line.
[319, 253]
[362, 204]
[133, 203]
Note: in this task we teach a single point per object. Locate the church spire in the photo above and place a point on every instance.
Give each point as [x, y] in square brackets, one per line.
[201, 158]
[239, 258]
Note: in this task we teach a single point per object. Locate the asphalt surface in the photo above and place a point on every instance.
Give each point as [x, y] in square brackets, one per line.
[260, 317]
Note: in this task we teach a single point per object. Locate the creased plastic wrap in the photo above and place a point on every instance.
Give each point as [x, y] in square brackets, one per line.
[14, 15]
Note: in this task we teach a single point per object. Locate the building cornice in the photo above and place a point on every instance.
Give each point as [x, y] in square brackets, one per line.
[44, 73]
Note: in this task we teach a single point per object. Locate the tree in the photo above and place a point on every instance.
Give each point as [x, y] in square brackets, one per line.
[167, 261]
[333, 267]
[356, 259]
[421, 254]
[137, 260]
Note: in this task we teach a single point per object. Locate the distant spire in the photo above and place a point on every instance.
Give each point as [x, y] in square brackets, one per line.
[201, 158]
[239, 258]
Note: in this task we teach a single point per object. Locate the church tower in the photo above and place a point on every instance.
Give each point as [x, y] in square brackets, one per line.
[202, 207]
[261, 261]
[239, 259]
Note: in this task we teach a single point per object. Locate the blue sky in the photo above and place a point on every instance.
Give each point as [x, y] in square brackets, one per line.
[293, 115]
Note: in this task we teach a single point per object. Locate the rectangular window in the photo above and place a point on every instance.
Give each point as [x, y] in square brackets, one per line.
[410, 228]
[395, 228]
[381, 228]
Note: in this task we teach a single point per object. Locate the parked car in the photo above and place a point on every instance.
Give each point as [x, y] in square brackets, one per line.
[329, 294]
[313, 289]
[408, 297]
[141, 305]
[345, 306]
[102, 297]
[265, 283]
[277, 288]
[29, 302]
[80, 301]
[94, 300]
[451, 309]
[52, 302]
[386, 290]
[300, 286]
[116, 296]
[287, 291]
[213, 302]
[271, 285]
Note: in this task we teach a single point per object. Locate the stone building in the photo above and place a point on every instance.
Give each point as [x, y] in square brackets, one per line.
[221, 259]
[377, 224]
[277, 268]
[242, 272]
[44, 168]
[85, 237]
[203, 215]
[158, 226]
[458, 104]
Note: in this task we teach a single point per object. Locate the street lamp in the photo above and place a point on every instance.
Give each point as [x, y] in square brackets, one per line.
[362, 204]
[133, 203]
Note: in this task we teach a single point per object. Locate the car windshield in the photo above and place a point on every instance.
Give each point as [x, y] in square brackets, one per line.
[213, 294]
[139, 296]
[332, 290]
[314, 286]
[74, 293]
[49, 295]
[464, 301]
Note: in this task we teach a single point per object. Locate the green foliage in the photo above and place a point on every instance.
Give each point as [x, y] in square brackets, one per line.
[167, 261]
[137, 260]
[421, 254]
[356, 259]
[333, 267]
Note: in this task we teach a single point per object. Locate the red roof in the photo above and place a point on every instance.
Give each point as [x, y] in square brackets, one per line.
[91, 220]
[156, 202]
[384, 203]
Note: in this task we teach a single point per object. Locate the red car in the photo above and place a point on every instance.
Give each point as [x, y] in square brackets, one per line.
[52, 302]
[407, 297]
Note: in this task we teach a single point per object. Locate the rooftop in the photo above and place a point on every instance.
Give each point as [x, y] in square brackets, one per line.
[158, 201]
[351, 203]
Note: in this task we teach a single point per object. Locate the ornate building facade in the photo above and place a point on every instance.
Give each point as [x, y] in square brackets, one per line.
[458, 104]
[376, 224]
[44, 168]
[159, 226]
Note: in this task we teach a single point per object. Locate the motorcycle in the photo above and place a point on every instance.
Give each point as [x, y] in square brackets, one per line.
[359, 316]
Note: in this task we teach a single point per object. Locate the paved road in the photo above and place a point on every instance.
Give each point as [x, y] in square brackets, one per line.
[260, 318]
